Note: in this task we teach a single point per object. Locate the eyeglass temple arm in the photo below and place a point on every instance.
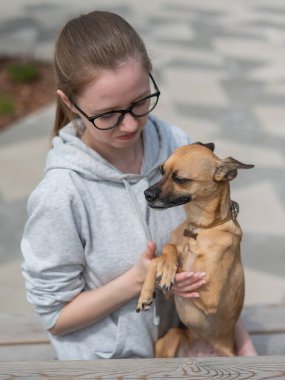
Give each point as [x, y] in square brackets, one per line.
[153, 81]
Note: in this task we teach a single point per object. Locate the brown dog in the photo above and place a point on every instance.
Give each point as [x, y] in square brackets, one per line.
[209, 241]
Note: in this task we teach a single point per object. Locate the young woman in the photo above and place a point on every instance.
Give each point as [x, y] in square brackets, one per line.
[90, 235]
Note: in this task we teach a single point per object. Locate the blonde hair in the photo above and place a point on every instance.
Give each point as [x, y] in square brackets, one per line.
[86, 44]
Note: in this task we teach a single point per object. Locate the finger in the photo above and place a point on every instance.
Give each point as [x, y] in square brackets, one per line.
[199, 274]
[149, 253]
[186, 295]
[151, 245]
[190, 281]
[186, 287]
[183, 276]
[187, 275]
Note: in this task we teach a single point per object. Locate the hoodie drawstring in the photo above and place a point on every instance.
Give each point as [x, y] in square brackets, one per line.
[156, 318]
[138, 210]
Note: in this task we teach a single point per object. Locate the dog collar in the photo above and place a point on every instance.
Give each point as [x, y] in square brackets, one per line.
[232, 214]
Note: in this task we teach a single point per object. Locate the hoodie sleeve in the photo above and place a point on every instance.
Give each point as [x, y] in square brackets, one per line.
[53, 252]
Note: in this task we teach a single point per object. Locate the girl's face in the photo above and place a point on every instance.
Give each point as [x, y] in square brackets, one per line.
[115, 90]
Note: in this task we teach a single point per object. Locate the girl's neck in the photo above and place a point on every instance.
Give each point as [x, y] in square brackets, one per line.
[127, 160]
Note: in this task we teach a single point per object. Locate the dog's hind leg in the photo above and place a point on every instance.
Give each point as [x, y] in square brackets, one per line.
[169, 344]
[224, 347]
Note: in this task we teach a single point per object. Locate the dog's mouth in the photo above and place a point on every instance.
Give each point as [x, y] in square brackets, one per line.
[167, 203]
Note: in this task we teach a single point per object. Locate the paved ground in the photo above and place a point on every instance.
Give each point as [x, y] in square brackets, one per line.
[220, 65]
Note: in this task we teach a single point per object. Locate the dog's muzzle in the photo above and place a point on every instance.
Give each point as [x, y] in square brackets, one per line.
[154, 199]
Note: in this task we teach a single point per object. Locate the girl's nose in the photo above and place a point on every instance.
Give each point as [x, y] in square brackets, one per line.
[129, 123]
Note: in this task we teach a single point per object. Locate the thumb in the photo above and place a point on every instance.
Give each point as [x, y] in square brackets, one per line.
[149, 253]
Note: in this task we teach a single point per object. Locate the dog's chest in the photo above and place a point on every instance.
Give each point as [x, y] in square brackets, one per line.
[188, 251]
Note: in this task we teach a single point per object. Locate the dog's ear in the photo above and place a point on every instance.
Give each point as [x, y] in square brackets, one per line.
[210, 146]
[227, 169]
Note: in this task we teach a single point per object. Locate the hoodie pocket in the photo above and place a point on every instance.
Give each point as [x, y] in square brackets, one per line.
[102, 337]
[136, 333]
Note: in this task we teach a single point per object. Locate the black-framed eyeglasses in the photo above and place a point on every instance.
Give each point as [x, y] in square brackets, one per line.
[112, 119]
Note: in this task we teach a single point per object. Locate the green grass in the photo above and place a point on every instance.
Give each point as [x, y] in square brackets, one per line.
[6, 105]
[23, 72]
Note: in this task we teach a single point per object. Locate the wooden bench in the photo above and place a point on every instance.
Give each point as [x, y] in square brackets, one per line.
[22, 336]
[234, 368]
[266, 325]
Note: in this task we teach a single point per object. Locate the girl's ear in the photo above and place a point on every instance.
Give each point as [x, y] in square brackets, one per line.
[65, 100]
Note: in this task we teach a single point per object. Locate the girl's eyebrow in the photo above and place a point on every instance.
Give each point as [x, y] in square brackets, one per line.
[116, 108]
[143, 95]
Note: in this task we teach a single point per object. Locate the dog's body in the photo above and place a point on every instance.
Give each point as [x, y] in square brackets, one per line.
[209, 241]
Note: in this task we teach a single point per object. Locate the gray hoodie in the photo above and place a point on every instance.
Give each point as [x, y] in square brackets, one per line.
[87, 224]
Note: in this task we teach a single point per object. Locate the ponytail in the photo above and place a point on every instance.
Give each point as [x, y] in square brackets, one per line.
[63, 115]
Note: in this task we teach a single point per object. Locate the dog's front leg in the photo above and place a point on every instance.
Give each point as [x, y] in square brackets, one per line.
[167, 267]
[162, 272]
[147, 292]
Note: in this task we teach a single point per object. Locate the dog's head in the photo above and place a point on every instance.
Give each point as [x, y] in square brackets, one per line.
[192, 172]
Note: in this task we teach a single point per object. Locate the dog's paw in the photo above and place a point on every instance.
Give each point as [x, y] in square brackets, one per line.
[144, 303]
[165, 277]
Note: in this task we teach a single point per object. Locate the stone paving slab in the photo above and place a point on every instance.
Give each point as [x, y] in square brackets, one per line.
[220, 65]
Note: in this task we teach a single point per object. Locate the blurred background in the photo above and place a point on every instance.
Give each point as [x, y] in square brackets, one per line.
[220, 66]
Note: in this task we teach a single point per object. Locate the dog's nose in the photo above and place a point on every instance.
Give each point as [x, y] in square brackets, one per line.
[151, 194]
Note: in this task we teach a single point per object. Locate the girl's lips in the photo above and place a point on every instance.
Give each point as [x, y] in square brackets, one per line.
[128, 136]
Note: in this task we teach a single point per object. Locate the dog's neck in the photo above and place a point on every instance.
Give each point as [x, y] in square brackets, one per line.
[210, 211]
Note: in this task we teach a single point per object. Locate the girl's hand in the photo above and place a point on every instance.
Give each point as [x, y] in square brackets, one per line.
[186, 284]
[144, 261]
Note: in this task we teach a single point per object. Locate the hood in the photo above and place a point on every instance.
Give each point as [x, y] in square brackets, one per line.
[69, 152]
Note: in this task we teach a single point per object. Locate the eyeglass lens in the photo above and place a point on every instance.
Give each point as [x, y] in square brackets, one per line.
[141, 108]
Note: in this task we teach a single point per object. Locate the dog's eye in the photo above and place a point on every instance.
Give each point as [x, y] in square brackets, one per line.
[179, 180]
[161, 170]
